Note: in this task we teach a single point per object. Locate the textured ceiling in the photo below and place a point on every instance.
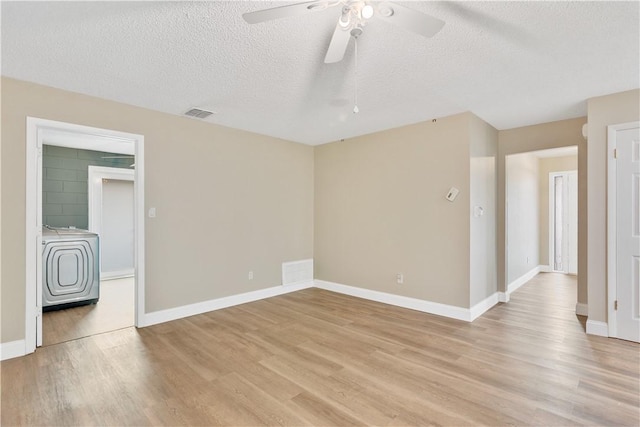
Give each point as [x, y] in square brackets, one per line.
[511, 63]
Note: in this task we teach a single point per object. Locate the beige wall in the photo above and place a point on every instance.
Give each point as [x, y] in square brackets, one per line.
[522, 215]
[583, 237]
[540, 137]
[380, 209]
[252, 208]
[483, 194]
[545, 167]
[602, 111]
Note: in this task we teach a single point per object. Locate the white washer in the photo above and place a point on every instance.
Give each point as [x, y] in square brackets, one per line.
[70, 268]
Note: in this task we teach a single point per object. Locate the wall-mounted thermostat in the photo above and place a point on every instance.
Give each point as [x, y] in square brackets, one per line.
[452, 194]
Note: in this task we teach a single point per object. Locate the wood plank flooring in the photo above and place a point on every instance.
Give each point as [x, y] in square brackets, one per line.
[114, 310]
[318, 358]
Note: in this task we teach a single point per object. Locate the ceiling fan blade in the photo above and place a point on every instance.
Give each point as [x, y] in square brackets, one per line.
[410, 19]
[297, 9]
[338, 45]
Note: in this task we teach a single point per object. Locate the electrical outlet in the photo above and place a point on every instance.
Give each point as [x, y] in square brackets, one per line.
[250, 275]
[399, 278]
[527, 260]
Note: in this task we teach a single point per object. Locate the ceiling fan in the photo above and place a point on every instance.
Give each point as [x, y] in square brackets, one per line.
[355, 14]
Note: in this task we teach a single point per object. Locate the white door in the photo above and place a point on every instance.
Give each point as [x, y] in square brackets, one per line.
[117, 228]
[563, 221]
[627, 232]
[571, 223]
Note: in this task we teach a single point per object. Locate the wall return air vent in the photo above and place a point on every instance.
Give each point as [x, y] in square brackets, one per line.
[198, 113]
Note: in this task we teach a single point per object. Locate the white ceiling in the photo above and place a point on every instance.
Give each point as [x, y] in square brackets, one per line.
[511, 63]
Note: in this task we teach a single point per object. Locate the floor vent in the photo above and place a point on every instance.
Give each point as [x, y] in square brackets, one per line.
[198, 113]
[295, 272]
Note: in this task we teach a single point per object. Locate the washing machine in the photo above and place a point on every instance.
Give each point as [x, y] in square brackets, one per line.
[70, 268]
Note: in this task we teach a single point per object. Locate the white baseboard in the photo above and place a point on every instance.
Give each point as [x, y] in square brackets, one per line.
[513, 286]
[595, 327]
[450, 311]
[167, 315]
[295, 272]
[9, 350]
[484, 305]
[581, 309]
[120, 274]
[303, 283]
[405, 302]
[545, 268]
[503, 296]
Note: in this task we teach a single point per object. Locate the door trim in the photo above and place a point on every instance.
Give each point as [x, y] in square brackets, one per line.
[38, 132]
[611, 221]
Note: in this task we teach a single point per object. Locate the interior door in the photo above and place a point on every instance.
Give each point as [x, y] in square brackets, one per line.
[571, 221]
[563, 220]
[628, 233]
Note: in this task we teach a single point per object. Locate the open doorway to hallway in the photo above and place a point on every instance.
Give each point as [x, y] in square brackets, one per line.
[541, 214]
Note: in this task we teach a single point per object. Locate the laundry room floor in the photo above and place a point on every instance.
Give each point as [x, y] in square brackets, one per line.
[114, 310]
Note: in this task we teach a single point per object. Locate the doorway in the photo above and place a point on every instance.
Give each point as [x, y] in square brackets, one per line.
[41, 132]
[530, 227]
[90, 190]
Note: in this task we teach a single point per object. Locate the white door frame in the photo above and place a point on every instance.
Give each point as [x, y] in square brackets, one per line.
[96, 175]
[42, 131]
[611, 222]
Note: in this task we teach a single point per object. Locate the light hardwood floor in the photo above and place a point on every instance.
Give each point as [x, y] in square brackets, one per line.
[319, 358]
[114, 310]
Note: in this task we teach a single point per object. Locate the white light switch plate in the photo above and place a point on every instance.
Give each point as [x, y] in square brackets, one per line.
[452, 194]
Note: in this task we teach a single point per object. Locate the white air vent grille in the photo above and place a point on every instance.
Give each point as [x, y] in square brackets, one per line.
[297, 272]
[198, 113]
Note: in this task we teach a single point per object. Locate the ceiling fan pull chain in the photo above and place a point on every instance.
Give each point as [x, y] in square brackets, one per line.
[355, 96]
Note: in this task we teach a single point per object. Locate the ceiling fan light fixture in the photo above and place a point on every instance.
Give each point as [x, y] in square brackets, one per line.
[356, 32]
[367, 11]
[317, 6]
[345, 19]
[385, 11]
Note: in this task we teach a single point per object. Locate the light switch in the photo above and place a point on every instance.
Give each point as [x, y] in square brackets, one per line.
[152, 212]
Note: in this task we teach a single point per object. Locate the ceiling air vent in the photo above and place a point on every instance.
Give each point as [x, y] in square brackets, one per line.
[198, 113]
